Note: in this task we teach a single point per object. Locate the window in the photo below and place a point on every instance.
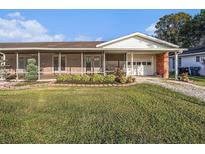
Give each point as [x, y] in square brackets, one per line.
[129, 63]
[180, 62]
[143, 63]
[138, 63]
[134, 63]
[197, 59]
[149, 63]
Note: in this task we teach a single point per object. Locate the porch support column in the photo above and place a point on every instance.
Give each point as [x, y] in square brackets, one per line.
[153, 71]
[59, 62]
[39, 66]
[82, 68]
[126, 63]
[176, 65]
[104, 73]
[132, 63]
[17, 66]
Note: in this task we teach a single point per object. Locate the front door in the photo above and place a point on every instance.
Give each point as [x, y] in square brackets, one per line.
[56, 67]
[92, 63]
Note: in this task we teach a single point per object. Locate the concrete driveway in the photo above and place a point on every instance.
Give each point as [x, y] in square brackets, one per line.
[178, 86]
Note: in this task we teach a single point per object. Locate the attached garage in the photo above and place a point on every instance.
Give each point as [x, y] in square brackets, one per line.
[141, 65]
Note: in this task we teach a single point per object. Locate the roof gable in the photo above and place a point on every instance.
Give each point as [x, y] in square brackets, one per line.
[137, 40]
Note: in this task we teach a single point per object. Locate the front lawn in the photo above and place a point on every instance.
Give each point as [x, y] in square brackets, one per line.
[199, 80]
[143, 113]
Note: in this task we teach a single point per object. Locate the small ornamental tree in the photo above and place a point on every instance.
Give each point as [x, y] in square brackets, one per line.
[32, 70]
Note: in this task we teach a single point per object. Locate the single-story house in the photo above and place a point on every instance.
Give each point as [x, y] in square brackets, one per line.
[194, 57]
[136, 54]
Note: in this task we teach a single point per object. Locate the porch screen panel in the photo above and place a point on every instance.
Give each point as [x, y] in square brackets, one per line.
[114, 62]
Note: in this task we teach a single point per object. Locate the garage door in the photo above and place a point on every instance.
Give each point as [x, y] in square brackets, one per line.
[142, 67]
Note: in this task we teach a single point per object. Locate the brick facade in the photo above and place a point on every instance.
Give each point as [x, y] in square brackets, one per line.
[162, 64]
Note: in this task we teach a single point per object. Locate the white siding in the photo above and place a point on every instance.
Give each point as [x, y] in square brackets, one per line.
[171, 64]
[134, 42]
[189, 61]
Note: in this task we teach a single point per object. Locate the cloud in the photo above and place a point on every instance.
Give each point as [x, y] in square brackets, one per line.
[86, 38]
[151, 29]
[17, 28]
[16, 15]
[99, 39]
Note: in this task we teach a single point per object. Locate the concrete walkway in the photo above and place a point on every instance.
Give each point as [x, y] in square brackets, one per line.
[178, 86]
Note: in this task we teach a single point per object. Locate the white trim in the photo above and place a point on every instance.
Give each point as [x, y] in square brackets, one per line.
[176, 66]
[39, 66]
[59, 62]
[82, 65]
[139, 35]
[126, 63]
[104, 63]
[93, 49]
[153, 65]
[17, 66]
[132, 60]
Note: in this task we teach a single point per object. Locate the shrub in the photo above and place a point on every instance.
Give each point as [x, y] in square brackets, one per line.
[97, 78]
[64, 78]
[109, 78]
[130, 79]
[32, 70]
[119, 73]
[123, 79]
[85, 78]
[76, 77]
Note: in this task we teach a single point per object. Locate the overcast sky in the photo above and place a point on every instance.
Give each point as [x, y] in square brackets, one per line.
[77, 25]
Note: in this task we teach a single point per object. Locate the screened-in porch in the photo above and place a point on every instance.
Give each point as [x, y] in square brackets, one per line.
[51, 64]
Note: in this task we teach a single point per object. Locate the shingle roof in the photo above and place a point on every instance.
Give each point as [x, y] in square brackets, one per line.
[194, 50]
[90, 44]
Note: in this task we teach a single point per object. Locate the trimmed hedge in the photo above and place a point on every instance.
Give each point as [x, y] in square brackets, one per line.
[109, 78]
[95, 78]
[32, 70]
[85, 78]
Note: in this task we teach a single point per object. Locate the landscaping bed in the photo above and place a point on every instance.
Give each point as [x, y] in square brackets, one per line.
[117, 78]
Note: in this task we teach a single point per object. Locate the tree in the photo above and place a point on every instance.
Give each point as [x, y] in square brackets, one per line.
[32, 70]
[169, 28]
[195, 29]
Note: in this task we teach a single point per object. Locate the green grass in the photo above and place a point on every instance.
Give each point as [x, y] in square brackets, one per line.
[199, 80]
[28, 83]
[142, 113]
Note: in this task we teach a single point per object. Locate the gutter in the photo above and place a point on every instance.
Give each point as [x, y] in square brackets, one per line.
[96, 49]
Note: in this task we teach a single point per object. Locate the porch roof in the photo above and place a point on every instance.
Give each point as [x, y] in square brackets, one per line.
[16, 45]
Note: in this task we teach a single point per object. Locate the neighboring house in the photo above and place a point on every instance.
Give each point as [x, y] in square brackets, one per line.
[194, 57]
[136, 54]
